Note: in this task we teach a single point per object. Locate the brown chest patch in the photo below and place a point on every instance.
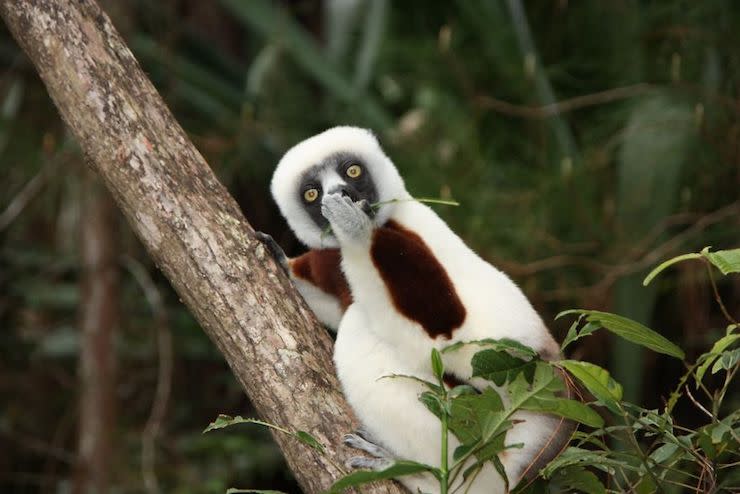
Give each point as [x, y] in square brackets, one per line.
[322, 268]
[418, 284]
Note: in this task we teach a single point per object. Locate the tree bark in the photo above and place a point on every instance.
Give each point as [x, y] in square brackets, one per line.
[99, 313]
[191, 227]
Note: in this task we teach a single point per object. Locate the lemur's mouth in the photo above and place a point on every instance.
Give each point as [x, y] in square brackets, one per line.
[369, 209]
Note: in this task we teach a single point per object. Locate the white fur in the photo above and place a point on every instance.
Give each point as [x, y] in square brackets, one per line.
[389, 409]
[306, 154]
[375, 340]
[326, 307]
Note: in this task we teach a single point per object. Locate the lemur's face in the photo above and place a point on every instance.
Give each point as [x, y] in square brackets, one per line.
[344, 160]
[340, 173]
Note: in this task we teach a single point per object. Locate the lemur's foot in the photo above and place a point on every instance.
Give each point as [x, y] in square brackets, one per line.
[348, 219]
[382, 458]
[365, 463]
[277, 252]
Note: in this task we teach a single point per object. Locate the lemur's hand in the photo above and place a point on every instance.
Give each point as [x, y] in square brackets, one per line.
[381, 458]
[277, 252]
[349, 220]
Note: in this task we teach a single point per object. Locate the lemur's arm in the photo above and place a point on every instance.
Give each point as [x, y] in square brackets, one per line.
[318, 276]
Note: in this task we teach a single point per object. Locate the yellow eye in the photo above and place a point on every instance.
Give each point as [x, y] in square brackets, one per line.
[354, 171]
[311, 195]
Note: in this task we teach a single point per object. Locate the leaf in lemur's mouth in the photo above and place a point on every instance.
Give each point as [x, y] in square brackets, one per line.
[428, 200]
[373, 208]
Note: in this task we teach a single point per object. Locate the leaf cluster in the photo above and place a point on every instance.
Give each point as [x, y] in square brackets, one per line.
[634, 450]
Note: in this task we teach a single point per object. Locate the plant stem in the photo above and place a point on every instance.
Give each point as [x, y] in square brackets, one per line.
[444, 467]
[717, 297]
[639, 451]
[717, 404]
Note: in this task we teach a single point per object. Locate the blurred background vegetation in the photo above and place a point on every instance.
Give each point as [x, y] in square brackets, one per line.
[585, 141]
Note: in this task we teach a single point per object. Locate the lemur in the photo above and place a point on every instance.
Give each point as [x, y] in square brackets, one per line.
[395, 282]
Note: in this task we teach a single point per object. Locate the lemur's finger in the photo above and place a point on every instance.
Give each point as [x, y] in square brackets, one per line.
[356, 441]
[277, 252]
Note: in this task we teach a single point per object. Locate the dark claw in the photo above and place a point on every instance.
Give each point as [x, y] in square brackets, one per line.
[277, 252]
[367, 208]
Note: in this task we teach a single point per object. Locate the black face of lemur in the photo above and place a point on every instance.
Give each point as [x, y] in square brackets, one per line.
[352, 179]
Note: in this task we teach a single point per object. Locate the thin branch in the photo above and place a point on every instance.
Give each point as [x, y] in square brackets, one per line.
[697, 404]
[40, 446]
[16, 206]
[653, 256]
[717, 296]
[564, 106]
[164, 373]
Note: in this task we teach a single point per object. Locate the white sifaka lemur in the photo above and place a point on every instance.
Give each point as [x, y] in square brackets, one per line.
[396, 282]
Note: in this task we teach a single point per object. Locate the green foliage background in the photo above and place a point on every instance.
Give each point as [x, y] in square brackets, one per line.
[585, 141]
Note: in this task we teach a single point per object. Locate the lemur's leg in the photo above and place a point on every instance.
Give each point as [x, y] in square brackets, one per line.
[350, 221]
[277, 252]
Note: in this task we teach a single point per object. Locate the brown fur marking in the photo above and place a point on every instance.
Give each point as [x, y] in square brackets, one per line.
[452, 380]
[322, 268]
[419, 286]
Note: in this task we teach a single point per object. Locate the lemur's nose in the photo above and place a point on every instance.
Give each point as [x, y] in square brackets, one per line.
[346, 191]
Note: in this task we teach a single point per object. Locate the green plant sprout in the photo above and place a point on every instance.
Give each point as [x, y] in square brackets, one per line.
[652, 452]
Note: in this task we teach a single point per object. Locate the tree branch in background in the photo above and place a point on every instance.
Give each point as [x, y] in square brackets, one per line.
[192, 228]
[164, 374]
[99, 315]
[564, 106]
[27, 193]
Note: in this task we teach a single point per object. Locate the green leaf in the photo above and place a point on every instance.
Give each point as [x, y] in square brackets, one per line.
[500, 367]
[462, 389]
[576, 478]
[563, 407]
[583, 457]
[398, 469]
[717, 431]
[632, 331]
[309, 440]
[437, 366]
[541, 397]
[598, 381]
[504, 344]
[719, 346]
[471, 415]
[586, 330]
[433, 402]
[726, 361]
[253, 491]
[664, 452]
[727, 261]
[501, 471]
[670, 262]
[492, 425]
[436, 388]
[572, 334]
[461, 451]
[223, 421]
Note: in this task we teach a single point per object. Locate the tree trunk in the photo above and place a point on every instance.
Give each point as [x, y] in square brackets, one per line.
[191, 227]
[98, 319]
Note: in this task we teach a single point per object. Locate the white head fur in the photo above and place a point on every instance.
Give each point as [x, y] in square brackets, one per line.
[286, 181]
